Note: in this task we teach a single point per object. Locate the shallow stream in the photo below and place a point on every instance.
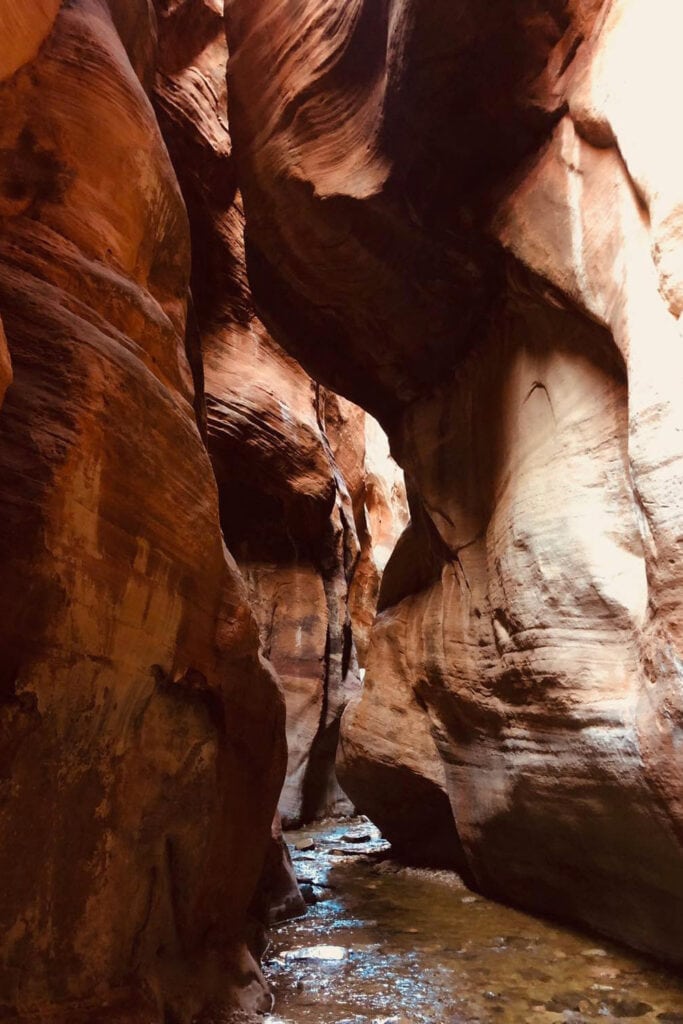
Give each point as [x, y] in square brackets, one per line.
[385, 943]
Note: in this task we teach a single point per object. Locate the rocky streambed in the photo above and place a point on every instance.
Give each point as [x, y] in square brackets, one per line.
[387, 944]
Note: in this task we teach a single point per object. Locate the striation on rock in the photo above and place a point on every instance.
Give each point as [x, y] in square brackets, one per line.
[378, 498]
[294, 489]
[5, 365]
[492, 266]
[141, 733]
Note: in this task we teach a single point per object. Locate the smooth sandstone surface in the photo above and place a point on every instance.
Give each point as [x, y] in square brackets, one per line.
[5, 365]
[468, 221]
[285, 509]
[141, 732]
[380, 506]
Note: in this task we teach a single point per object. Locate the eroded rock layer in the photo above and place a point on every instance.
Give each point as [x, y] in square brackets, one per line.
[290, 458]
[141, 733]
[287, 515]
[380, 507]
[467, 218]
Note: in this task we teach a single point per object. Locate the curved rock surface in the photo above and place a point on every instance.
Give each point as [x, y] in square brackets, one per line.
[141, 733]
[5, 365]
[380, 507]
[290, 458]
[468, 221]
[286, 513]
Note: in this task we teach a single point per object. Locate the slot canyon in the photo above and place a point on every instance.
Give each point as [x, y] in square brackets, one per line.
[341, 512]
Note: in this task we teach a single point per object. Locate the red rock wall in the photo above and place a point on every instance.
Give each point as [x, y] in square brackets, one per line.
[141, 733]
[467, 219]
[277, 489]
[5, 365]
[285, 508]
[287, 516]
[381, 512]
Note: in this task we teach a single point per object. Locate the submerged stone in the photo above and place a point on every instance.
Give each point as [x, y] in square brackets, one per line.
[331, 953]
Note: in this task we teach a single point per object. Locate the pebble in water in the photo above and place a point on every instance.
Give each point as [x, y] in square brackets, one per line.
[357, 835]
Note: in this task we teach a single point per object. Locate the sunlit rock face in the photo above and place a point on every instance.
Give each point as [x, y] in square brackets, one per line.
[141, 734]
[5, 364]
[467, 219]
[380, 507]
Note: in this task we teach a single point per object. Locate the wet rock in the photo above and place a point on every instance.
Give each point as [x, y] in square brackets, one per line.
[534, 974]
[358, 835]
[392, 965]
[604, 972]
[333, 954]
[576, 1001]
[629, 1008]
[347, 851]
[309, 894]
[278, 897]
[304, 845]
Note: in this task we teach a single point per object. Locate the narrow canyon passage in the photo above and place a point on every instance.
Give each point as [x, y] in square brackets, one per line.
[341, 473]
[400, 945]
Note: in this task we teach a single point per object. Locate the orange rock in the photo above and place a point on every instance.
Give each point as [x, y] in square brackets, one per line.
[5, 365]
[468, 221]
[141, 734]
[289, 457]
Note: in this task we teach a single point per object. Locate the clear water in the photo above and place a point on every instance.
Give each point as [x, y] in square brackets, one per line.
[408, 946]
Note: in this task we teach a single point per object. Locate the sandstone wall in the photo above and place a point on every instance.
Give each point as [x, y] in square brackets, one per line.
[141, 733]
[285, 509]
[378, 498]
[5, 365]
[466, 218]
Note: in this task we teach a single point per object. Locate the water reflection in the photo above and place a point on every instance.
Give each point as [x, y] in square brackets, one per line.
[394, 945]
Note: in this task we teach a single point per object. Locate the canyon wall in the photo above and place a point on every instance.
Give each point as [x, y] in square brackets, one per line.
[141, 732]
[152, 418]
[467, 220]
[380, 506]
[294, 491]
